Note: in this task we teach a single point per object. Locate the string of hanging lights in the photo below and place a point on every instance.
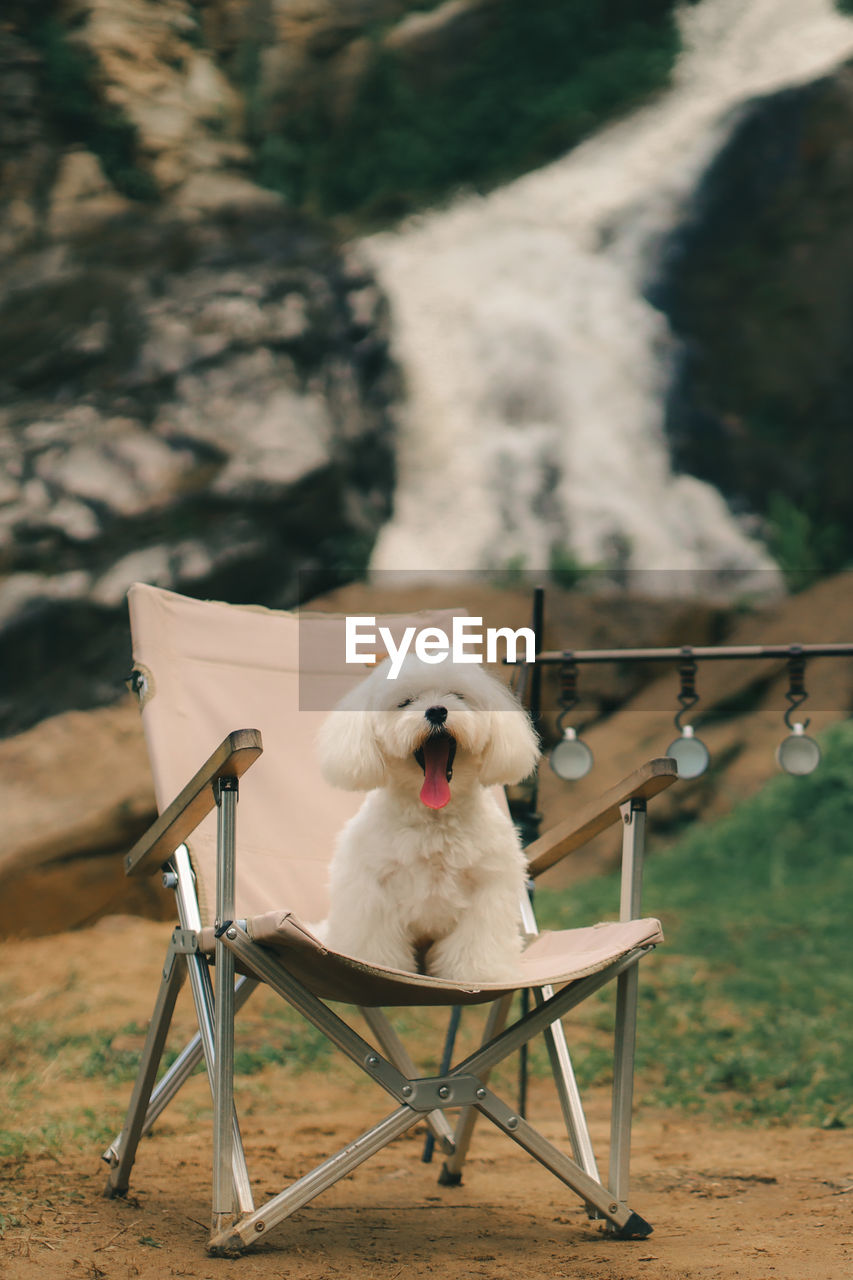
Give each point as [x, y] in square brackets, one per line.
[798, 754]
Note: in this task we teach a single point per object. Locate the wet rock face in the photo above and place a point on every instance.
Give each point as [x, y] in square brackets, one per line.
[757, 284]
[198, 405]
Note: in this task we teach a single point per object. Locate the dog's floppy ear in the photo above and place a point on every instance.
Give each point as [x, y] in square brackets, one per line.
[512, 749]
[348, 751]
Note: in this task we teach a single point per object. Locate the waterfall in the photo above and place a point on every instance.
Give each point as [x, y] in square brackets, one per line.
[535, 370]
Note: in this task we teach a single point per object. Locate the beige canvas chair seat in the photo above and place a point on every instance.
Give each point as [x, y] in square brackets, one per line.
[245, 891]
[551, 959]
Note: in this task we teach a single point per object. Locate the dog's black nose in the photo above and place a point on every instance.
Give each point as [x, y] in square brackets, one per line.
[436, 715]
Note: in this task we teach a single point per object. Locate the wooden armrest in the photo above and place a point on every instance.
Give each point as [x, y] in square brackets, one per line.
[574, 832]
[231, 759]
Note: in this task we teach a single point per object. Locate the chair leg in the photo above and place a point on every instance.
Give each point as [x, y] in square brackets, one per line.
[627, 988]
[623, 1084]
[180, 1071]
[225, 1201]
[569, 1096]
[122, 1154]
[451, 1171]
[202, 990]
[561, 1066]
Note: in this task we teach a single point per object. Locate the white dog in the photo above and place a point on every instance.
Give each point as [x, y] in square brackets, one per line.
[428, 875]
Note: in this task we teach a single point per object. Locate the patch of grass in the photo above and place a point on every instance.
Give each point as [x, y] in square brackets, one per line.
[84, 1127]
[281, 1036]
[744, 1008]
[87, 1055]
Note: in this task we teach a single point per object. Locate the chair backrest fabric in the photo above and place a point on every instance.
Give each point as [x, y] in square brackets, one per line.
[209, 668]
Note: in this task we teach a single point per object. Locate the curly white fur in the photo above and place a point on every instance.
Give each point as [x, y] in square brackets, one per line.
[428, 874]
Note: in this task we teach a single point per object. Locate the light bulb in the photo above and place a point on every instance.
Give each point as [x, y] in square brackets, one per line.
[571, 759]
[689, 753]
[798, 753]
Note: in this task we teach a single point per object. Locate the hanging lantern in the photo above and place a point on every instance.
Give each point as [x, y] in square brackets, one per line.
[689, 752]
[571, 759]
[798, 754]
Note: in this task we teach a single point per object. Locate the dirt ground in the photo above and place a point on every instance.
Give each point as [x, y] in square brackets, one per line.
[752, 1203]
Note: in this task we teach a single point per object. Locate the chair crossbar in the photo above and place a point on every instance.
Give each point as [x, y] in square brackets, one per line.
[272, 971]
[541, 1017]
[255, 1225]
[393, 1047]
[623, 1220]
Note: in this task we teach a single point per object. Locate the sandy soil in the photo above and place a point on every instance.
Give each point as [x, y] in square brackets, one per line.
[762, 1204]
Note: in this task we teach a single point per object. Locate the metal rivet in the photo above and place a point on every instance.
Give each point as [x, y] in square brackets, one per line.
[512, 1122]
[259, 1226]
[443, 1091]
[232, 934]
[407, 1091]
[372, 1060]
[613, 1208]
[481, 1092]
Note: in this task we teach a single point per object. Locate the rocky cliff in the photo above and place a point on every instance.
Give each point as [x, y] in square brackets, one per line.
[200, 405]
[757, 283]
[194, 378]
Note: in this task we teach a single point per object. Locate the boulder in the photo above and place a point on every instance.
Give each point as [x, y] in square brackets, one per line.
[79, 794]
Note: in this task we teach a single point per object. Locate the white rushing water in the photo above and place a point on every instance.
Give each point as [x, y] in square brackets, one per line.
[535, 370]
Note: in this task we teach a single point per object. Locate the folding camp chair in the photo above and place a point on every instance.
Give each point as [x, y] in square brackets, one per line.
[244, 905]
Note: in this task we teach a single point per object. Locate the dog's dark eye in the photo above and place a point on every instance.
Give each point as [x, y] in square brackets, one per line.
[407, 702]
[459, 696]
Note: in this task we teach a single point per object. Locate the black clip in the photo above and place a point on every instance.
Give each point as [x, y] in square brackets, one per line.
[687, 697]
[796, 694]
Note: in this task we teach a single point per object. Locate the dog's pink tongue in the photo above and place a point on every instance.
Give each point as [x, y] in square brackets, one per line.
[435, 792]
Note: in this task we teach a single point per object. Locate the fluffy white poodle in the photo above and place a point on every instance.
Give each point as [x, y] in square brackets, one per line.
[429, 873]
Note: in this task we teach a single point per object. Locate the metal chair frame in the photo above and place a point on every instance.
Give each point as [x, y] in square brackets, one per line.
[235, 1221]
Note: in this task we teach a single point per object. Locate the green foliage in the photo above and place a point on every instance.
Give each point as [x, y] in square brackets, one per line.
[543, 78]
[564, 568]
[741, 1009]
[803, 547]
[79, 115]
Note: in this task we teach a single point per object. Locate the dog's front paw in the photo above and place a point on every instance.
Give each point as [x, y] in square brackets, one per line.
[460, 964]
